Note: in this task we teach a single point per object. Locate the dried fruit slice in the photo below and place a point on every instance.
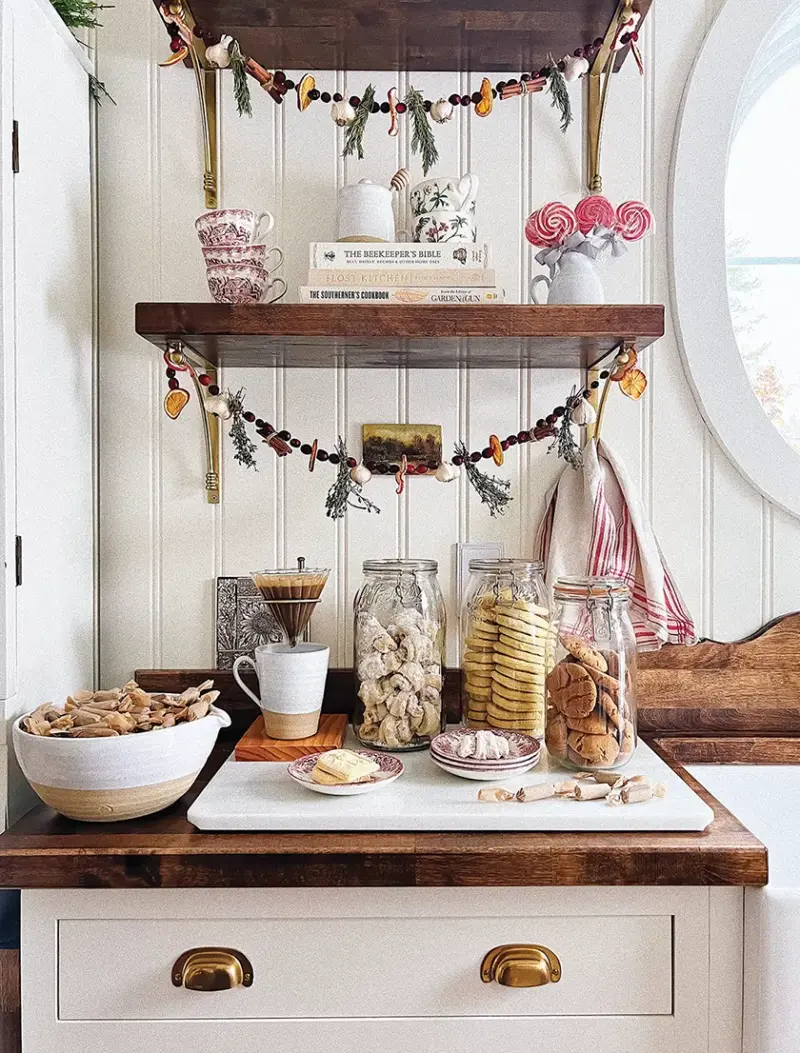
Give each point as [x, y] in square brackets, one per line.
[633, 384]
[174, 402]
[304, 89]
[624, 361]
[497, 450]
[484, 107]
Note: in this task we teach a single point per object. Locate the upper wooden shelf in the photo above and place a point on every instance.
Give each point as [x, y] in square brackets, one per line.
[511, 36]
[429, 337]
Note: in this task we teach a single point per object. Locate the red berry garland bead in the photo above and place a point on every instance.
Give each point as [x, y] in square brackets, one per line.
[466, 100]
[411, 470]
[486, 453]
[170, 374]
[551, 418]
[394, 468]
[306, 448]
[295, 443]
[333, 458]
[371, 466]
[288, 84]
[401, 107]
[475, 97]
[314, 94]
[454, 99]
[512, 440]
[504, 445]
[213, 389]
[285, 435]
[604, 375]
[385, 107]
[173, 384]
[249, 417]
[376, 107]
[175, 44]
[382, 469]
[322, 455]
[351, 462]
[475, 457]
[337, 96]
[279, 76]
[458, 461]
[427, 105]
[421, 469]
[355, 102]
[540, 422]
[204, 379]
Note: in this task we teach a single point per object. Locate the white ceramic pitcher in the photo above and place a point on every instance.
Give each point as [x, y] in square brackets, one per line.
[575, 281]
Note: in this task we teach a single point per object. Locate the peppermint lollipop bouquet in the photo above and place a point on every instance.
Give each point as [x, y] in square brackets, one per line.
[593, 230]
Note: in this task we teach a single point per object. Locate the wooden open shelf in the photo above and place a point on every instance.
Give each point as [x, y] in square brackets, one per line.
[493, 336]
[512, 36]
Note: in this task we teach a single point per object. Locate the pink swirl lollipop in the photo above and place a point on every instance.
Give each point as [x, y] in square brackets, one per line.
[550, 224]
[633, 220]
[594, 211]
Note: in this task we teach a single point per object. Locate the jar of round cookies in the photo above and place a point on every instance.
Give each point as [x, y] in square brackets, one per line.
[591, 690]
[507, 645]
[399, 650]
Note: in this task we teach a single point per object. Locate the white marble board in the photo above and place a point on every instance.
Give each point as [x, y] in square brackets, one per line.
[250, 795]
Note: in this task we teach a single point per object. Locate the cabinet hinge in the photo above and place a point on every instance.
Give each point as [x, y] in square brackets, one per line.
[18, 560]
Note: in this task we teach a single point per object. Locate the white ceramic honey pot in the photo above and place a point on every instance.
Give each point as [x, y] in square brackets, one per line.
[365, 210]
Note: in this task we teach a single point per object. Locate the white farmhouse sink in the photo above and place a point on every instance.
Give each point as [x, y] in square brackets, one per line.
[765, 799]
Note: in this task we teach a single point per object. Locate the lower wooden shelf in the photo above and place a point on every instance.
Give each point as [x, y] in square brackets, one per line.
[497, 336]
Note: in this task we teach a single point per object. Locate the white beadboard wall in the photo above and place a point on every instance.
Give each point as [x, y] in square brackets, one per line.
[734, 555]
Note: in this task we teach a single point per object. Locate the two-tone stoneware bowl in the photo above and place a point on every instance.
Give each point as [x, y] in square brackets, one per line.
[102, 780]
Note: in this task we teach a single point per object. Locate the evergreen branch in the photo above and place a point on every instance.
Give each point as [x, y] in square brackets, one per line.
[354, 140]
[98, 91]
[559, 95]
[243, 448]
[79, 13]
[345, 491]
[241, 89]
[423, 141]
[493, 492]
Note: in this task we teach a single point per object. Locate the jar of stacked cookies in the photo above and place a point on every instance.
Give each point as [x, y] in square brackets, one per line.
[591, 691]
[399, 649]
[507, 645]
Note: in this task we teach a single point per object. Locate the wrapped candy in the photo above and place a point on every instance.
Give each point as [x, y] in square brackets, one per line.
[633, 220]
[594, 211]
[550, 224]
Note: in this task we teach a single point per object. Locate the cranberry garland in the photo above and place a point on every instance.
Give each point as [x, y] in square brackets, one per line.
[283, 442]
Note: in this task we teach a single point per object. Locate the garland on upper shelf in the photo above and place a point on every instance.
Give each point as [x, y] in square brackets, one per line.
[352, 475]
[224, 52]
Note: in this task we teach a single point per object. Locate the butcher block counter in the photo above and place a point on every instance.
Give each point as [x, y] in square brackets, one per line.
[44, 850]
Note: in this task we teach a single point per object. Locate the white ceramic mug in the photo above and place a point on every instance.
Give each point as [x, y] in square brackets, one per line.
[233, 226]
[451, 193]
[445, 225]
[291, 681]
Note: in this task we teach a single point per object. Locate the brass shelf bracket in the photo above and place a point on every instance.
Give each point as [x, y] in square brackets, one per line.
[180, 356]
[206, 81]
[597, 85]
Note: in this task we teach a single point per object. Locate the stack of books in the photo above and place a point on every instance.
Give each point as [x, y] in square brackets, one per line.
[400, 273]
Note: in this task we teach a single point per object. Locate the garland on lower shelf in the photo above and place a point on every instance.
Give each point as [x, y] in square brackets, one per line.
[352, 475]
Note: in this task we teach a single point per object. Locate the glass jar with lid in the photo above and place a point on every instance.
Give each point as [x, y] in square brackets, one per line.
[399, 638]
[591, 691]
[507, 645]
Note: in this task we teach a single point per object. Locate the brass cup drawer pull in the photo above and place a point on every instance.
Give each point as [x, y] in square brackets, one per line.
[521, 965]
[212, 969]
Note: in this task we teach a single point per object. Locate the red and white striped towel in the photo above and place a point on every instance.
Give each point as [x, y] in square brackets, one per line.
[595, 524]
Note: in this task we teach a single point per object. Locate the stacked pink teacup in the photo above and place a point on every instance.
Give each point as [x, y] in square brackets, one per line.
[238, 263]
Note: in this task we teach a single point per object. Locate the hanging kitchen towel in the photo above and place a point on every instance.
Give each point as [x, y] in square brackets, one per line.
[595, 524]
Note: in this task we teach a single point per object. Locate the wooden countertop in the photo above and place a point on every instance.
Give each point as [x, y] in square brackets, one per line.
[44, 850]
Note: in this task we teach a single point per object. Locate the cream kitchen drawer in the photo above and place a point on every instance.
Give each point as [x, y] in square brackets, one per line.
[354, 967]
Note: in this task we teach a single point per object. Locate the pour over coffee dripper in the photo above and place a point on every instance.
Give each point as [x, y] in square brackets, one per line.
[291, 595]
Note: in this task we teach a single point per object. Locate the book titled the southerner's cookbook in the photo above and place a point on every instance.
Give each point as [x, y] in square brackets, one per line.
[400, 295]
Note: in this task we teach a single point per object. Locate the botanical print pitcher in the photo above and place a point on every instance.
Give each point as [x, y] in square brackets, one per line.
[447, 193]
[574, 280]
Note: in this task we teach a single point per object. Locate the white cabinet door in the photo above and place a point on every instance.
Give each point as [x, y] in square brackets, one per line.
[48, 357]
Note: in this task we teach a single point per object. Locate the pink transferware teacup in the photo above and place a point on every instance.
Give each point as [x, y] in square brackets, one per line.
[220, 255]
[233, 226]
[240, 283]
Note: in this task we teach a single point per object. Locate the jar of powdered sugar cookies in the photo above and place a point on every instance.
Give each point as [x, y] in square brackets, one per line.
[507, 644]
[399, 637]
[591, 690]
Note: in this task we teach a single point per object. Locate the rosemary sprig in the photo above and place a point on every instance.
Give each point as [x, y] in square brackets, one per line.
[564, 443]
[559, 95]
[98, 91]
[493, 492]
[345, 491]
[79, 13]
[243, 448]
[423, 141]
[241, 89]
[354, 140]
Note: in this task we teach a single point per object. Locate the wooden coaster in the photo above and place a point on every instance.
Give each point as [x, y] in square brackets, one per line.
[255, 745]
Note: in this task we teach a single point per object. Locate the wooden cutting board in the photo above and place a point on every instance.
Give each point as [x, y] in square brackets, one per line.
[256, 745]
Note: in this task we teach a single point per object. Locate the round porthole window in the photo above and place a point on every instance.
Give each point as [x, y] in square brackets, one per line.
[736, 240]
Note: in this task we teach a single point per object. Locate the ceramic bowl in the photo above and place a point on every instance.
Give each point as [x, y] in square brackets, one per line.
[107, 779]
[390, 768]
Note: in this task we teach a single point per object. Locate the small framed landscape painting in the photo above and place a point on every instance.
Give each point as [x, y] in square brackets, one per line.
[386, 443]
